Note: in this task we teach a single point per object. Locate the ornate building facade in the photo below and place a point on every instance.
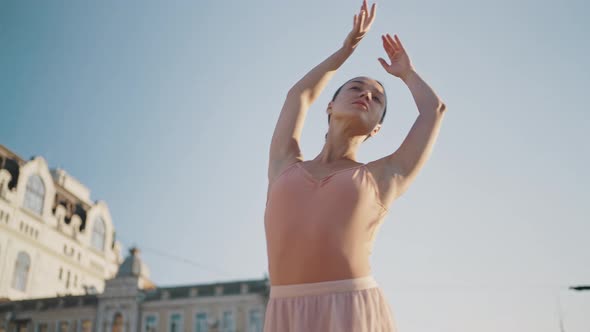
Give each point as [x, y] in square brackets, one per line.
[131, 303]
[61, 270]
[53, 239]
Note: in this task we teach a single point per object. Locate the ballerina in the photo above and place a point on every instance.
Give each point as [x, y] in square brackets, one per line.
[322, 214]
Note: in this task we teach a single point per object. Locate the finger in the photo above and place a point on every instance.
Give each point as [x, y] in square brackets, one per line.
[386, 41]
[399, 43]
[362, 20]
[365, 6]
[370, 17]
[388, 47]
[392, 42]
[373, 11]
[354, 22]
[383, 63]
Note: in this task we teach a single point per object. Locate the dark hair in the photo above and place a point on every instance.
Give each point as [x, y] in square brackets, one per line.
[340, 88]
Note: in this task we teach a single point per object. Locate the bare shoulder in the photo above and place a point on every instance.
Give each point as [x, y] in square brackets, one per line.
[388, 178]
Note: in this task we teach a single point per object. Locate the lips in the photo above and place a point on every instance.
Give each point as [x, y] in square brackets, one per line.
[366, 106]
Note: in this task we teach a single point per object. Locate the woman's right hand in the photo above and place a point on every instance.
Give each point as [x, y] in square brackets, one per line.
[362, 24]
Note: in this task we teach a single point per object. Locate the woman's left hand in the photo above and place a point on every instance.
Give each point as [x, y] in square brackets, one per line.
[400, 65]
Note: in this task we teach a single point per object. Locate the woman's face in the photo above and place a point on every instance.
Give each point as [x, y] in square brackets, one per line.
[360, 103]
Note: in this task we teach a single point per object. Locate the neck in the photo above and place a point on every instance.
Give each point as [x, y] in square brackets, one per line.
[339, 147]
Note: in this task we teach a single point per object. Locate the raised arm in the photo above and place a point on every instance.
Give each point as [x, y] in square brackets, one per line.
[399, 169]
[284, 147]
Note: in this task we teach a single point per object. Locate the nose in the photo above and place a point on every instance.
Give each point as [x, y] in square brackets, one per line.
[367, 94]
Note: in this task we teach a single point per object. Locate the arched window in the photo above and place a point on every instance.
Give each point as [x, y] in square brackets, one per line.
[98, 234]
[63, 326]
[21, 271]
[35, 194]
[117, 323]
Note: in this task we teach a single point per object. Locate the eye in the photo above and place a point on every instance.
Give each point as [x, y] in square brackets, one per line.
[354, 88]
[375, 98]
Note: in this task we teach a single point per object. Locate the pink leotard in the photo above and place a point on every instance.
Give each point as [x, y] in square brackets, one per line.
[321, 229]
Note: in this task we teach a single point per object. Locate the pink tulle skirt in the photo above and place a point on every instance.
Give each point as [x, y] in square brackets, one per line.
[355, 305]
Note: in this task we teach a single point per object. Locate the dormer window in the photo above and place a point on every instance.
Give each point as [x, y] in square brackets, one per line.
[98, 234]
[35, 194]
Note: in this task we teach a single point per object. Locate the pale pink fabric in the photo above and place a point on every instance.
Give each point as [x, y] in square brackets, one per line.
[352, 305]
[321, 229]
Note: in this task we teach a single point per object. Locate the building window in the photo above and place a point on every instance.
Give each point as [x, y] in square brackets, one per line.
[98, 234]
[151, 323]
[35, 194]
[227, 323]
[86, 326]
[175, 323]
[63, 326]
[61, 273]
[117, 323]
[201, 324]
[21, 271]
[22, 326]
[255, 321]
[42, 327]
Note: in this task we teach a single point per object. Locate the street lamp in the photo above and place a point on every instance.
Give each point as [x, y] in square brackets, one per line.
[559, 309]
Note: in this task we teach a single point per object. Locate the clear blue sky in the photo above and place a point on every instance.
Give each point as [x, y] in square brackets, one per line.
[166, 110]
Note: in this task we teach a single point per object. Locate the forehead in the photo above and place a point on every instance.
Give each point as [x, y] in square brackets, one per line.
[366, 81]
